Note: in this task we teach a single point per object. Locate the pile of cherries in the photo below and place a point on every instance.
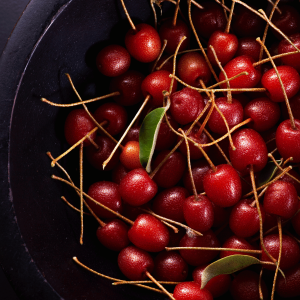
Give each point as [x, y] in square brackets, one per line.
[233, 109]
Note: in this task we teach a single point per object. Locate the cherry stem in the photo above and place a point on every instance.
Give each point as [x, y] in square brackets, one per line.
[82, 102]
[199, 43]
[81, 190]
[275, 6]
[230, 17]
[92, 199]
[260, 62]
[176, 13]
[143, 281]
[127, 15]
[225, 11]
[93, 142]
[219, 90]
[287, 160]
[72, 206]
[126, 131]
[111, 278]
[160, 54]
[259, 214]
[189, 164]
[279, 255]
[226, 80]
[267, 27]
[229, 95]
[154, 14]
[215, 249]
[282, 87]
[223, 5]
[261, 297]
[197, 4]
[206, 157]
[72, 147]
[171, 221]
[159, 285]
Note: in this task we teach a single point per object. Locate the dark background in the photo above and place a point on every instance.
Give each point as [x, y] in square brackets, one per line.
[10, 11]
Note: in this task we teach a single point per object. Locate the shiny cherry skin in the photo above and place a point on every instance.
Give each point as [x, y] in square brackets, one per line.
[134, 263]
[143, 43]
[114, 235]
[191, 290]
[290, 79]
[130, 155]
[137, 188]
[113, 60]
[77, 125]
[248, 46]
[223, 185]
[288, 140]
[250, 150]
[149, 233]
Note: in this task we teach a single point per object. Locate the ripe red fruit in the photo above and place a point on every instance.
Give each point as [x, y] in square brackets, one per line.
[107, 193]
[186, 105]
[170, 266]
[134, 263]
[137, 188]
[290, 79]
[149, 233]
[190, 290]
[218, 285]
[130, 155]
[113, 60]
[78, 124]
[225, 46]
[244, 219]
[143, 43]
[248, 46]
[223, 186]
[192, 67]
[113, 235]
[295, 107]
[250, 150]
[198, 213]
[114, 114]
[290, 255]
[288, 140]
[169, 203]
[238, 65]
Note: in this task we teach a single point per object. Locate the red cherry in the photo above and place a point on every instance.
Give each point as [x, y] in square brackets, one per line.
[218, 285]
[250, 150]
[186, 105]
[209, 19]
[78, 124]
[199, 257]
[238, 65]
[115, 114]
[223, 185]
[263, 112]
[130, 155]
[290, 255]
[244, 219]
[129, 86]
[96, 157]
[118, 173]
[233, 113]
[143, 43]
[137, 188]
[198, 213]
[134, 263]
[113, 60]
[170, 266]
[173, 34]
[107, 193]
[281, 199]
[225, 46]
[171, 171]
[288, 140]
[190, 290]
[290, 79]
[113, 235]
[149, 233]
[291, 180]
[295, 107]
[132, 135]
[245, 286]
[192, 67]
[155, 83]
[169, 203]
[249, 46]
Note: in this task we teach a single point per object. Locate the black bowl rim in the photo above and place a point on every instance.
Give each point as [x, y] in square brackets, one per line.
[16, 261]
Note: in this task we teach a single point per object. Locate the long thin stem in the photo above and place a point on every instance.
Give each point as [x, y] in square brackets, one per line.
[127, 15]
[81, 190]
[72, 206]
[215, 249]
[230, 17]
[160, 54]
[176, 13]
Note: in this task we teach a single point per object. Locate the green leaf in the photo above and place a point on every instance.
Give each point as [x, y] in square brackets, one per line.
[268, 172]
[227, 265]
[148, 135]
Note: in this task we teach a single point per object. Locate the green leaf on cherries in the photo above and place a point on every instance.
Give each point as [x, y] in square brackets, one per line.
[268, 172]
[148, 135]
[227, 265]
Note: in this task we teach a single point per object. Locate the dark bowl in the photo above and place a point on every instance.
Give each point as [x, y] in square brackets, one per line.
[39, 233]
